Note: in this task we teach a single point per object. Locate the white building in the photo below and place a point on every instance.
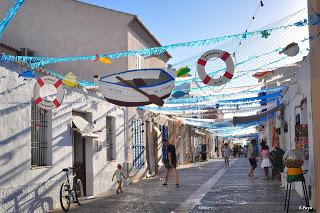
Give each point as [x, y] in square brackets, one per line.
[297, 111]
[85, 130]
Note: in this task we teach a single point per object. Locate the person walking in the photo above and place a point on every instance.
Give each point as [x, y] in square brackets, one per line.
[234, 151]
[265, 164]
[119, 178]
[245, 151]
[226, 154]
[252, 158]
[170, 163]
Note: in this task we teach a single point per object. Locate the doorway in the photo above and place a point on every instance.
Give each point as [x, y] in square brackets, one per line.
[79, 158]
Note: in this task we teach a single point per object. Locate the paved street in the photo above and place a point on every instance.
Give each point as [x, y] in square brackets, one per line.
[205, 187]
[235, 192]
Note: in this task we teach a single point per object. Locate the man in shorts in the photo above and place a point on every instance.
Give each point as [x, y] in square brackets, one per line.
[252, 157]
[170, 163]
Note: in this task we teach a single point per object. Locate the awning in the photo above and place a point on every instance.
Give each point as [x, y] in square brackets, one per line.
[83, 127]
[252, 118]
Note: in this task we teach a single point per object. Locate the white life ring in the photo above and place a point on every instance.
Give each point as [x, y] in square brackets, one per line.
[223, 55]
[46, 104]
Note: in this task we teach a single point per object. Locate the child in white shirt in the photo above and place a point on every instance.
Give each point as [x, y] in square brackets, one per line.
[119, 176]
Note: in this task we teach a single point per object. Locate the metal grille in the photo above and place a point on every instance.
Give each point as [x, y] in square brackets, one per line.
[39, 143]
[164, 132]
[138, 145]
[109, 138]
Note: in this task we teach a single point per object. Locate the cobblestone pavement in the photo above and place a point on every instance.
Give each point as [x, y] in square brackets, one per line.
[148, 195]
[205, 187]
[235, 192]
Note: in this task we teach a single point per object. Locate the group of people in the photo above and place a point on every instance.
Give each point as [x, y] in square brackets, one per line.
[269, 159]
[169, 159]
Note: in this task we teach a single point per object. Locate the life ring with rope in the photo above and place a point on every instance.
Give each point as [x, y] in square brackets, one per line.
[202, 61]
[42, 102]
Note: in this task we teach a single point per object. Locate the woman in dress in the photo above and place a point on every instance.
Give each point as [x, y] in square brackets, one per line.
[266, 164]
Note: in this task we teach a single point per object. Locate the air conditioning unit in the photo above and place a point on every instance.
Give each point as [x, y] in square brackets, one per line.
[26, 52]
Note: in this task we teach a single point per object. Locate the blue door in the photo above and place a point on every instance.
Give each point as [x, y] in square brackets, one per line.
[138, 144]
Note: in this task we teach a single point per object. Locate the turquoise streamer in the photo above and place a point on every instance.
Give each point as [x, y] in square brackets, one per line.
[17, 4]
[42, 61]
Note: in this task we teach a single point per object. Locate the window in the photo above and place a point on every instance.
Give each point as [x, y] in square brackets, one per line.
[39, 142]
[164, 132]
[138, 144]
[111, 145]
[139, 61]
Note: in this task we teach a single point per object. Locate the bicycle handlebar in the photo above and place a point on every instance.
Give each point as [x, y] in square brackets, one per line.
[67, 169]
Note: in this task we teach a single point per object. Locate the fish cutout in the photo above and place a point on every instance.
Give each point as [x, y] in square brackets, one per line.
[262, 75]
[290, 50]
[104, 59]
[27, 74]
[70, 80]
[183, 72]
[265, 33]
[178, 94]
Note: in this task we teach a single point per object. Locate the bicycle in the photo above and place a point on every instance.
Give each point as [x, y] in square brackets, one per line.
[67, 192]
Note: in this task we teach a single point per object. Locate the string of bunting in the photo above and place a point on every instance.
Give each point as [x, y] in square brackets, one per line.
[234, 102]
[35, 62]
[215, 96]
[17, 4]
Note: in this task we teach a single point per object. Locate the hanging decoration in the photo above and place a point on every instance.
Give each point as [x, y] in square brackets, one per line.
[35, 62]
[183, 72]
[70, 80]
[265, 33]
[137, 87]
[17, 4]
[206, 98]
[178, 94]
[104, 59]
[206, 79]
[42, 99]
[291, 50]
[239, 120]
[262, 75]
[28, 74]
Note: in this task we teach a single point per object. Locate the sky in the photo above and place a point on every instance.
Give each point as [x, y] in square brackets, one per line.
[173, 21]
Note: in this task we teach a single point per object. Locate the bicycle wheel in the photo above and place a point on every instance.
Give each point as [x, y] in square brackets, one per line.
[65, 196]
[79, 194]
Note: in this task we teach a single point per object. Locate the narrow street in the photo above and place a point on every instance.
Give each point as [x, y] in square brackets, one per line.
[205, 187]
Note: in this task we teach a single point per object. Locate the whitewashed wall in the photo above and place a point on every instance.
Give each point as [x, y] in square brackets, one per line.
[23, 189]
[63, 28]
[298, 90]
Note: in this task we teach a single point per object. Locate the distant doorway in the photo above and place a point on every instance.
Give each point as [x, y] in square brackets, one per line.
[79, 159]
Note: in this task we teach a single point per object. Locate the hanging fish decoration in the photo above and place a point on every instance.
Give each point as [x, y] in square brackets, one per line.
[178, 94]
[70, 80]
[290, 50]
[265, 33]
[27, 74]
[104, 59]
[183, 72]
[262, 75]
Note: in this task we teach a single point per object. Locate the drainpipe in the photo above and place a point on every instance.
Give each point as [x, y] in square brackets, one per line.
[126, 138]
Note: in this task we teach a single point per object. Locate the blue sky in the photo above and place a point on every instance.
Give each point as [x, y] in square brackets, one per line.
[173, 21]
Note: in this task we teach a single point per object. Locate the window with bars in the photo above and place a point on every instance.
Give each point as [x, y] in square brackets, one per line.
[164, 132]
[39, 142]
[138, 143]
[111, 145]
